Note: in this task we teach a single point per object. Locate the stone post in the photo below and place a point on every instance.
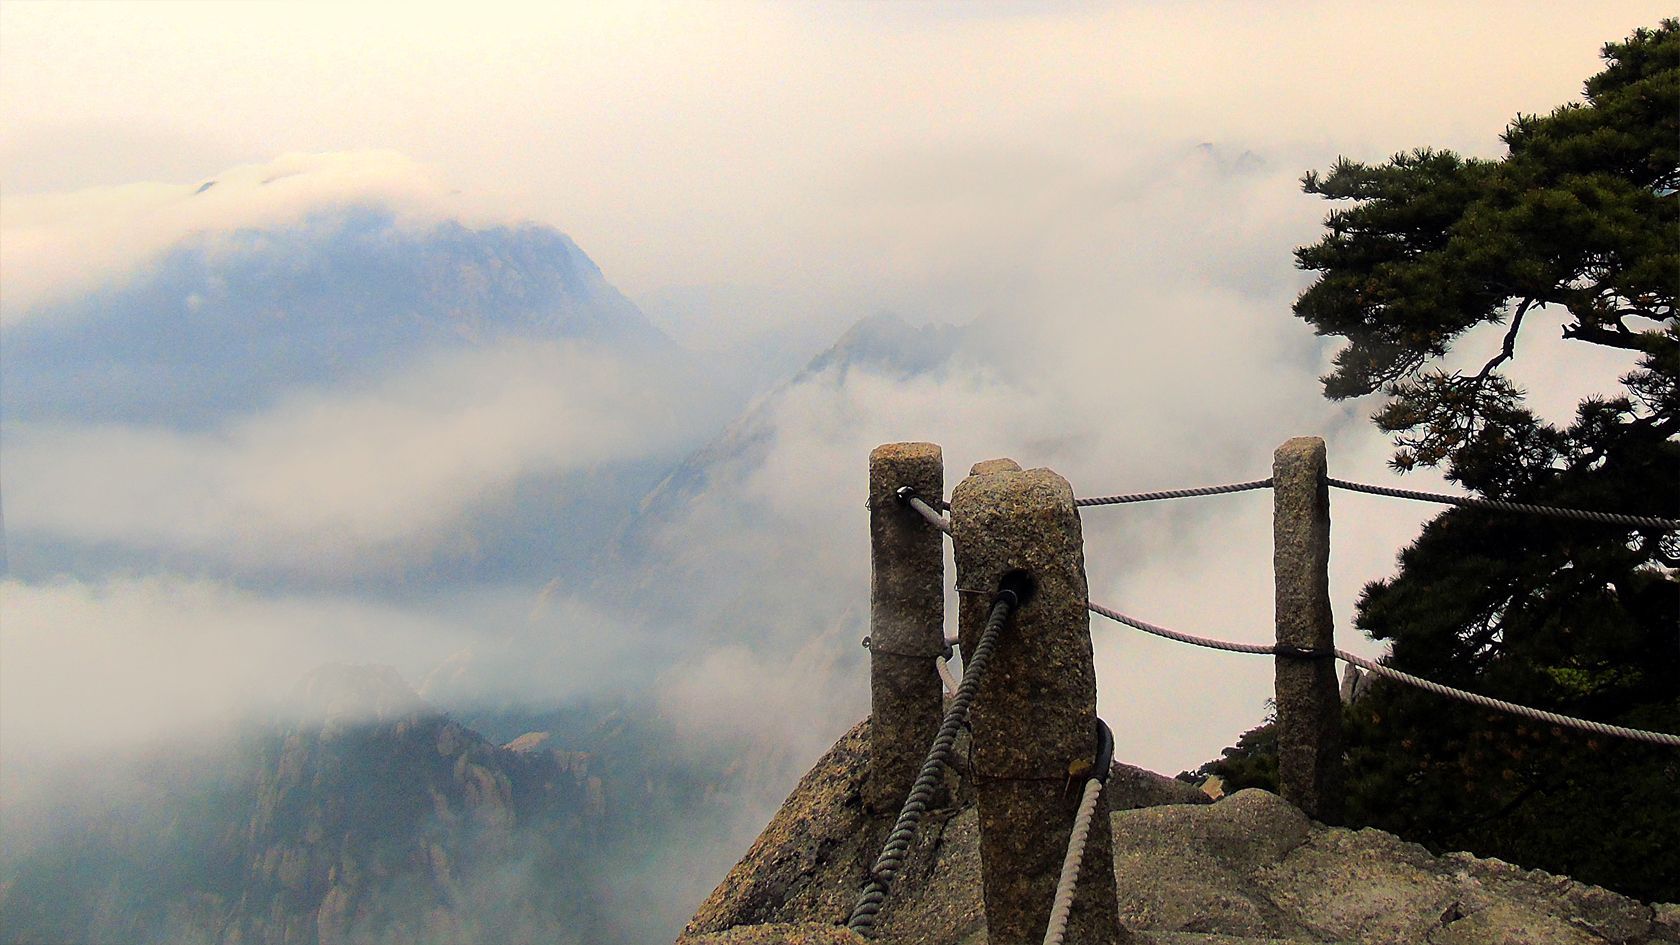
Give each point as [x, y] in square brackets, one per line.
[906, 620]
[1309, 705]
[1036, 710]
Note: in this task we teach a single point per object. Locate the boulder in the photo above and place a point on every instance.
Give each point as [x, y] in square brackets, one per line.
[1249, 869]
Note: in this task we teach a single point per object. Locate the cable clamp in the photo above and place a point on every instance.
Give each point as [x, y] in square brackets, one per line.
[1097, 768]
[1105, 751]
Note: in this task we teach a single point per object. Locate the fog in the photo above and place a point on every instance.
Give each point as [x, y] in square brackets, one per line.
[1101, 200]
[363, 480]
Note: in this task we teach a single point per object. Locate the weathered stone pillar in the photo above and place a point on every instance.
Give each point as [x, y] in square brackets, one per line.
[1036, 711]
[1309, 705]
[906, 619]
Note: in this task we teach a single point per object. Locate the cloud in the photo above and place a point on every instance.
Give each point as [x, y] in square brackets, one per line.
[791, 168]
[1039, 175]
[733, 135]
[355, 481]
[1148, 346]
[103, 665]
[54, 245]
[121, 663]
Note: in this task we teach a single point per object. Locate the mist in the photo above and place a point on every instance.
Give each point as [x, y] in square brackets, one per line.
[1080, 217]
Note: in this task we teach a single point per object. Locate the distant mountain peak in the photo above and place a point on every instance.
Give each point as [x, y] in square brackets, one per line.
[226, 320]
[346, 692]
[886, 341]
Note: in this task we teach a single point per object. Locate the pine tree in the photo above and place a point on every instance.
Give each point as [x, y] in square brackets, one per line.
[1580, 221]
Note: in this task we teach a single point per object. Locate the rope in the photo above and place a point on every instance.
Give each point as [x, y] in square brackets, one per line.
[1581, 515]
[1063, 903]
[1180, 637]
[1539, 715]
[945, 676]
[1612, 518]
[886, 867]
[1175, 494]
[908, 495]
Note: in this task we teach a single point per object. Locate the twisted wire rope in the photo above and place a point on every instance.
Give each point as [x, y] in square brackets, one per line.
[1580, 515]
[1174, 493]
[1538, 715]
[874, 895]
[1062, 905]
[1488, 702]
[926, 511]
[898, 842]
[946, 679]
[1262, 648]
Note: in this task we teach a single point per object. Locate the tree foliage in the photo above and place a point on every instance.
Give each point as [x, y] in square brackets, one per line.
[1579, 222]
[1580, 217]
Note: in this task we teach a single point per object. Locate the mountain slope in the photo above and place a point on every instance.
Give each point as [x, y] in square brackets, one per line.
[884, 344]
[226, 320]
[379, 819]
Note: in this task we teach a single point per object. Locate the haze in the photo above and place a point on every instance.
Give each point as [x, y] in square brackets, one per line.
[1107, 194]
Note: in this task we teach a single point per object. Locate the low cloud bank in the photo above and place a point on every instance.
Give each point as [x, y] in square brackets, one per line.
[1136, 338]
[94, 666]
[365, 480]
[1147, 345]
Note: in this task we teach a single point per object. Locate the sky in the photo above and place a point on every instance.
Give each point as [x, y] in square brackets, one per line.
[1107, 193]
[806, 158]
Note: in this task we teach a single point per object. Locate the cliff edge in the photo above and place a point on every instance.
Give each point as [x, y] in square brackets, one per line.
[1250, 869]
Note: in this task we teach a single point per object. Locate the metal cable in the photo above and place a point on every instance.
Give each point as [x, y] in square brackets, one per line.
[1539, 715]
[1263, 648]
[908, 495]
[1612, 518]
[1175, 493]
[1581, 515]
[886, 867]
[1063, 903]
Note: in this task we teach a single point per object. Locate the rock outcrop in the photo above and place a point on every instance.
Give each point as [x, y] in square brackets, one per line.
[383, 825]
[1250, 869]
[371, 818]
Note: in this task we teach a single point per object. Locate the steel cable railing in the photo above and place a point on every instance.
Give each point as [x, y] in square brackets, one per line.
[1539, 715]
[874, 895]
[887, 866]
[1475, 502]
[1173, 494]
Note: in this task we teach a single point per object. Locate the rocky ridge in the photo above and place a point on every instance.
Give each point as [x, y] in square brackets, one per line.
[1250, 869]
[371, 817]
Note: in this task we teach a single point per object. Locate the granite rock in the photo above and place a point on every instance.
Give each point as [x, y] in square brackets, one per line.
[1249, 869]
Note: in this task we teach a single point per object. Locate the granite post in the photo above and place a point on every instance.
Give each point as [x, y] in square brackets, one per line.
[1035, 714]
[906, 619]
[1309, 705]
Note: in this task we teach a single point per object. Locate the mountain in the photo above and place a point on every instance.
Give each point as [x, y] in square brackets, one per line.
[660, 559]
[374, 818]
[884, 344]
[489, 809]
[225, 321]
[1249, 869]
[506, 372]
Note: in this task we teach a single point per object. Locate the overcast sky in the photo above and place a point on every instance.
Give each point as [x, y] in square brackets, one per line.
[812, 157]
[1111, 189]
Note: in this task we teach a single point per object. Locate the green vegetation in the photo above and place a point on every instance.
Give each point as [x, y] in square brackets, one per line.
[1580, 221]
